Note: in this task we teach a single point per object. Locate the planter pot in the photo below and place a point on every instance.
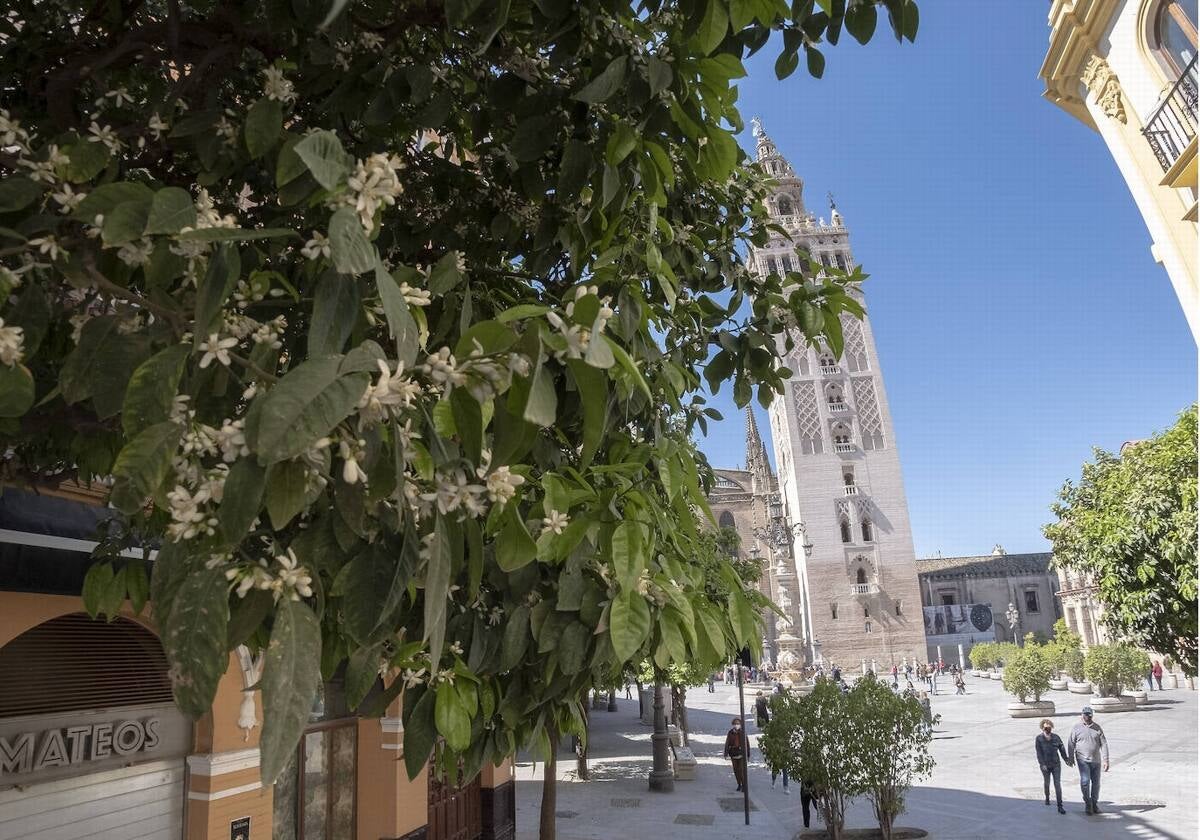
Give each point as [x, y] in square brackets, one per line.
[1040, 709]
[1139, 697]
[1108, 705]
[1172, 681]
[1079, 687]
[1058, 685]
[1191, 683]
[996, 675]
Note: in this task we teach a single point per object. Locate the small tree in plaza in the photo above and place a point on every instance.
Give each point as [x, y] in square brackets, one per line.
[1004, 652]
[983, 655]
[1072, 663]
[1027, 673]
[892, 746]
[816, 740]
[1112, 668]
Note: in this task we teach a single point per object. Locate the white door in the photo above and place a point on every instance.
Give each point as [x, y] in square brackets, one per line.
[130, 803]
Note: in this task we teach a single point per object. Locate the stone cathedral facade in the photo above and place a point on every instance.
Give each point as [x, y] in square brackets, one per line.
[855, 597]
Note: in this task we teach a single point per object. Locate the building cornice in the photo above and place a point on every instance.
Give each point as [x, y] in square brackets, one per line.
[1076, 30]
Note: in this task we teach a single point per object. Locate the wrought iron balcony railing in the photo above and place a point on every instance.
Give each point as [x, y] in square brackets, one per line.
[1173, 124]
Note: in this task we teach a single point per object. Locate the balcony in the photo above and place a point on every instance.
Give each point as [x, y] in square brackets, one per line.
[850, 490]
[1172, 126]
[864, 588]
[844, 447]
[831, 370]
[838, 407]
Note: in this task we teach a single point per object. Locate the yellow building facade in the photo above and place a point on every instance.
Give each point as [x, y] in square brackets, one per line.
[1127, 69]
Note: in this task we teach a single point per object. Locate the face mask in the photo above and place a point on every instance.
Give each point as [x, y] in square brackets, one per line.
[1046, 730]
[737, 726]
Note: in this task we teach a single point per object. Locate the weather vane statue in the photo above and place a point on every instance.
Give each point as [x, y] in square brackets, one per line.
[756, 127]
[832, 205]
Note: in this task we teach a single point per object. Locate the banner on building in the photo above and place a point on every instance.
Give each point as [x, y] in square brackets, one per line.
[951, 624]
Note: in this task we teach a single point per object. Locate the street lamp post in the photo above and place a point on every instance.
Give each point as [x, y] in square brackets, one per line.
[782, 535]
[1014, 619]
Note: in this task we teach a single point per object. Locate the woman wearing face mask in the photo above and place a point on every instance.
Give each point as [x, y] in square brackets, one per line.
[735, 751]
[1049, 747]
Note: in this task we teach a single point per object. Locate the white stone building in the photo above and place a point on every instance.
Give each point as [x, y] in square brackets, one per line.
[1127, 70]
[838, 467]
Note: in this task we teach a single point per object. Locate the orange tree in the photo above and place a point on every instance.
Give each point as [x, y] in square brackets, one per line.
[389, 321]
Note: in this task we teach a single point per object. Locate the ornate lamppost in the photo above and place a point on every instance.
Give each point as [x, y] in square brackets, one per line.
[1014, 620]
[781, 535]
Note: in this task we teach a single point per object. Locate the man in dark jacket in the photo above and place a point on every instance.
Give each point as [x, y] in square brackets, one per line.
[1049, 747]
[735, 751]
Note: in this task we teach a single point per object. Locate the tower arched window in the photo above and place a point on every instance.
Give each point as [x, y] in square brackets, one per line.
[726, 520]
[868, 532]
[784, 206]
[841, 434]
[1175, 35]
[860, 577]
[845, 526]
[834, 396]
[848, 477]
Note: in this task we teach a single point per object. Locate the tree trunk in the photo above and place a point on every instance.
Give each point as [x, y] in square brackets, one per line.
[641, 711]
[679, 708]
[546, 824]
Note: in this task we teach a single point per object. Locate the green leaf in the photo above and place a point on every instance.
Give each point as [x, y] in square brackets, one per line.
[171, 211]
[573, 648]
[224, 269]
[142, 466]
[627, 365]
[861, 19]
[489, 337]
[659, 73]
[514, 547]
[17, 192]
[437, 588]
[32, 314]
[713, 27]
[628, 556]
[152, 389]
[137, 584]
[468, 420]
[193, 639]
[352, 252]
[264, 124]
[335, 311]
[247, 616]
[325, 158]
[235, 234]
[445, 274]
[291, 674]
[542, 406]
[86, 160]
[516, 639]
[102, 200]
[16, 390]
[592, 387]
[303, 407]
[628, 624]
[401, 325]
[786, 63]
[242, 499]
[606, 84]
[368, 586]
[96, 582]
[712, 633]
[816, 62]
[362, 672]
[286, 491]
[125, 222]
[420, 732]
[451, 717]
[745, 621]
[101, 366]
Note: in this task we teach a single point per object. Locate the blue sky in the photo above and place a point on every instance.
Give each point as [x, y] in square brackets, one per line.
[1019, 316]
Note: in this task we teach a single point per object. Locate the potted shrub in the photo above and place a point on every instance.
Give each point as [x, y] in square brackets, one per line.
[1027, 677]
[981, 657]
[1110, 668]
[1135, 665]
[1005, 651]
[1073, 661]
[1053, 652]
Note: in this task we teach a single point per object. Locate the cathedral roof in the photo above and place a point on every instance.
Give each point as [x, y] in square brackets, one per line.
[988, 565]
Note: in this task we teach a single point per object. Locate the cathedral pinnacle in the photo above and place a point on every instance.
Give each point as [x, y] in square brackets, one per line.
[756, 451]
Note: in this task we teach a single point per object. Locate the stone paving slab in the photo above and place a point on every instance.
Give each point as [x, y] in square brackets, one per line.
[986, 784]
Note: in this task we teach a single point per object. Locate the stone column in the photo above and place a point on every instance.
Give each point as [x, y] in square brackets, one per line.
[962, 660]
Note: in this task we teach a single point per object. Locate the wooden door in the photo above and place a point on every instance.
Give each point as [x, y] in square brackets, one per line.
[454, 809]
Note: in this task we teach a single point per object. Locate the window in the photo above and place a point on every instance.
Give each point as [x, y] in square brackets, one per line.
[867, 532]
[948, 598]
[825, 260]
[1031, 600]
[771, 268]
[785, 207]
[866, 612]
[848, 477]
[845, 526]
[833, 610]
[1175, 34]
[899, 611]
[867, 627]
[861, 576]
[840, 260]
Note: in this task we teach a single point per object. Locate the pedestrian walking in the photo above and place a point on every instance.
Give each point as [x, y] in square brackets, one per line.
[735, 751]
[926, 710]
[762, 715]
[933, 675]
[775, 773]
[712, 680]
[1049, 747]
[1157, 672]
[1150, 679]
[895, 672]
[960, 685]
[1088, 748]
[808, 797]
[628, 691]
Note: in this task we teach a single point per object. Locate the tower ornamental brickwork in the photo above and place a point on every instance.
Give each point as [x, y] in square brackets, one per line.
[837, 466]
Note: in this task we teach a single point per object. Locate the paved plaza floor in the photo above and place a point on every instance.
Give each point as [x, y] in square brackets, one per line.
[986, 783]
